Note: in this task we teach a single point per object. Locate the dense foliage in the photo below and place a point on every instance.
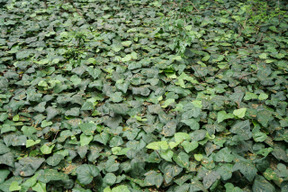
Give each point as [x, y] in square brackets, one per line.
[143, 95]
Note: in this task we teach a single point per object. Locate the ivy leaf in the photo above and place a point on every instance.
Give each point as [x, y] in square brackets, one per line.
[261, 184]
[198, 157]
[7, 159]
[182, 159]
[224, 155]
[3, 148]
[250, 96]
[192, 123]
[3, 174]
[240, 112]
[75, 80]
[47, 148]
[86, 173]
[242, 129]
[102, 138]
[88, 128]
[190, 146]
[54, 160]
[27, 166]
[39, 187]
[116, 97]
[14, 186]
[222, 115]
[126, 43]
[263, 56]
[158, 145]
[230, 187]
[30, 143]
[121, 188]
[167, 155]
[263, 96]
[247, 168]
[110, 178]
[85, 139]
[210, 178]
[225, 171]
[153, 178]
[46, 123]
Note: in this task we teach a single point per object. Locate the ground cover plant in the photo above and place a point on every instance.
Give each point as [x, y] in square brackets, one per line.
[143, 95]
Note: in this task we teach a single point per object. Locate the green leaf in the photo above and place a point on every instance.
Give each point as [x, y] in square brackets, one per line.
[264, 152]
[169, 171]
[169, 129]
[240, 112]
[153, 178]
[158, 145]
[250, 96]
[198, 157]
[263, 96]
[47, 175]
[7, 128]
[94, 72]
[222, 115]
[197, 104]
[126, 43]
[3, 148]
[3, 174]
[263, 56]
[121, 188]
[182, 159]
[116, 97]
[85, 139]
[54, 160]
[75, 111]
[16, 118]
[88, 128]
[43, 84]
[110, 178]
[46, 123]
[230, 188]
[192, 123]
[86, 173]
[261, 184]
[167, 103]
[242, 129]
[47, 148]
[102, 138]
[224, 155]
[116, 46]
[30, 143]
[210, 178]
[264, 116]
[190, 146]
[167, 155]
[247, 168]
[87, 106]
[126, 58]
[14, 186]
[258, 136]
[39, 187]
[91, 61]
[27, 166]
[75, 80]
[225, 171]
[29, 183]
[179, 137]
